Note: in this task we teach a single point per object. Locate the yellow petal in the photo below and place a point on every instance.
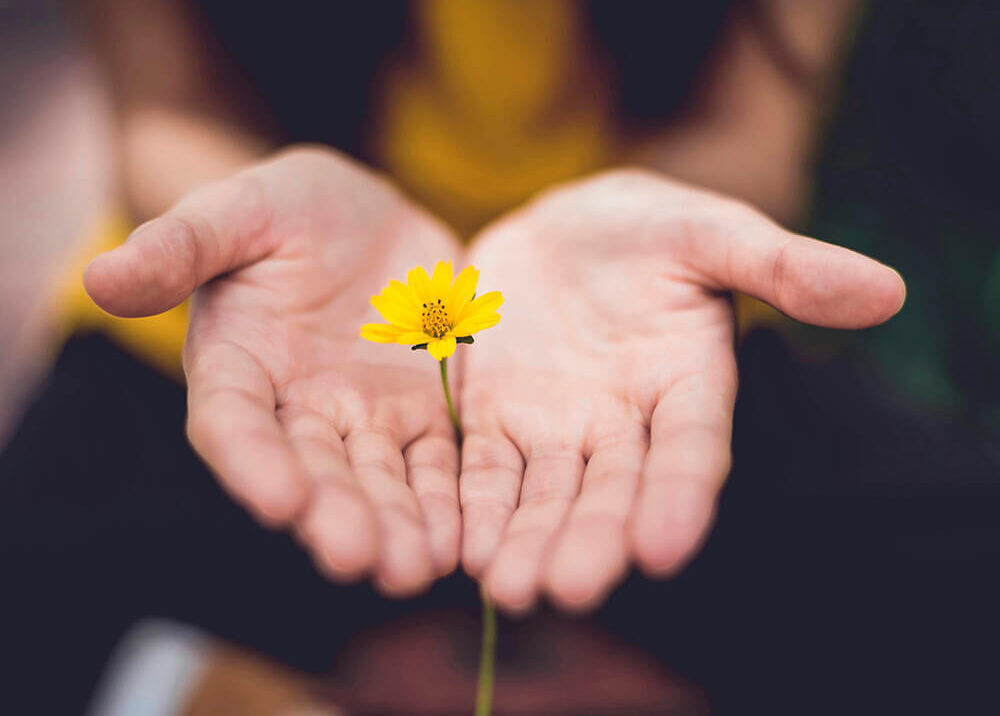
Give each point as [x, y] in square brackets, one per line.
[380, 333]
[420, 283]
[474, 324]
[396, 313]
[485, 304]
[442, 348]
[414, 338]
[463, 291]
[441, 281]
[399, 291]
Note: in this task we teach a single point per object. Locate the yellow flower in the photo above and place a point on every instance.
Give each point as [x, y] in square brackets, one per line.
[433, 311]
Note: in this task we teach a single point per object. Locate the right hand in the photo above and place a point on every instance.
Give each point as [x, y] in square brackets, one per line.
[303, 421]
[598, 414]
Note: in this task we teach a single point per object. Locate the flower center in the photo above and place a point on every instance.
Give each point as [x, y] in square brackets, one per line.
[436, 321]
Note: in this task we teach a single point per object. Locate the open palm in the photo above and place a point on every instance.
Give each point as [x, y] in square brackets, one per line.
[301, 419]
[598, 414]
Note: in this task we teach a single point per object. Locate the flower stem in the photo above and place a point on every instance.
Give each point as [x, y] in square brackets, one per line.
[452, 413]
[487, 658]
[487, 655]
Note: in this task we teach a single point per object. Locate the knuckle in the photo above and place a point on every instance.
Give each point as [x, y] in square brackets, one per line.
[433, 472]
[485, 455]
[181, 250]
[780, 270]
[490, 510]
[380, 464]
[306, 424]
[551, 497]
[433, 452]
[442, 499]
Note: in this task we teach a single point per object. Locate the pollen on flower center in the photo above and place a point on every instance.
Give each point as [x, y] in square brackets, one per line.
[435, 313]
[435, 317]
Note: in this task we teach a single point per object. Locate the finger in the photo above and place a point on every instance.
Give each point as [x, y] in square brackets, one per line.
[809, 280]
[404, 562]
[338, 527]
[687, 464]
[432, 472]
[489, 486]
[217, 228]
[551, 483]
[232, 425]
[590, 554]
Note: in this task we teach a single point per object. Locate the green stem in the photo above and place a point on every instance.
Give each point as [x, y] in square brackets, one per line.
[452, 413]
[487, 656]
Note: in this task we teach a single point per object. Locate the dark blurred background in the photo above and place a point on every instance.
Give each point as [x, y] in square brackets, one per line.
[852, 566]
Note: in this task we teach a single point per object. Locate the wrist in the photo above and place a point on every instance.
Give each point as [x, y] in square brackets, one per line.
[167, 153]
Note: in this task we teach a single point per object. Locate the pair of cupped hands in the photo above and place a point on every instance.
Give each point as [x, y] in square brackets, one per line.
[597, 414]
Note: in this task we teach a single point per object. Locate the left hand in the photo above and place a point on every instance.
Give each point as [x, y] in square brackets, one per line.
[598, 414]
[303, 422]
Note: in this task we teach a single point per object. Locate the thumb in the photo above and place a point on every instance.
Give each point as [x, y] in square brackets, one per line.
[217, 228]
[809, 280]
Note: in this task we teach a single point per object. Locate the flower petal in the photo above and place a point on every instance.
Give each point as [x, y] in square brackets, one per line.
[420, 283]
[474, 324]
[442, 348]
[414, 338]
[441, 281]
[463, 290]
[380, 333]
[481, 305]
[400, 292]
[399, 314]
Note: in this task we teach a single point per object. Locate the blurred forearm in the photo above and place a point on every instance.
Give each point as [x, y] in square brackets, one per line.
[754, 120]
[181, 120]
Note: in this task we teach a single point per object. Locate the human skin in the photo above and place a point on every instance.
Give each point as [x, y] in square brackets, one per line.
[310, 427]
[618, 471]
[597, 414]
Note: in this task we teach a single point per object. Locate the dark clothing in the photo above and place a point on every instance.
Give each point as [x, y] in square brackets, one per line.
[314, 66]
[850, 570]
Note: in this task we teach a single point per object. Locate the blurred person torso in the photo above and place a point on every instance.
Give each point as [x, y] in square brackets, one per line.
[474, 107]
